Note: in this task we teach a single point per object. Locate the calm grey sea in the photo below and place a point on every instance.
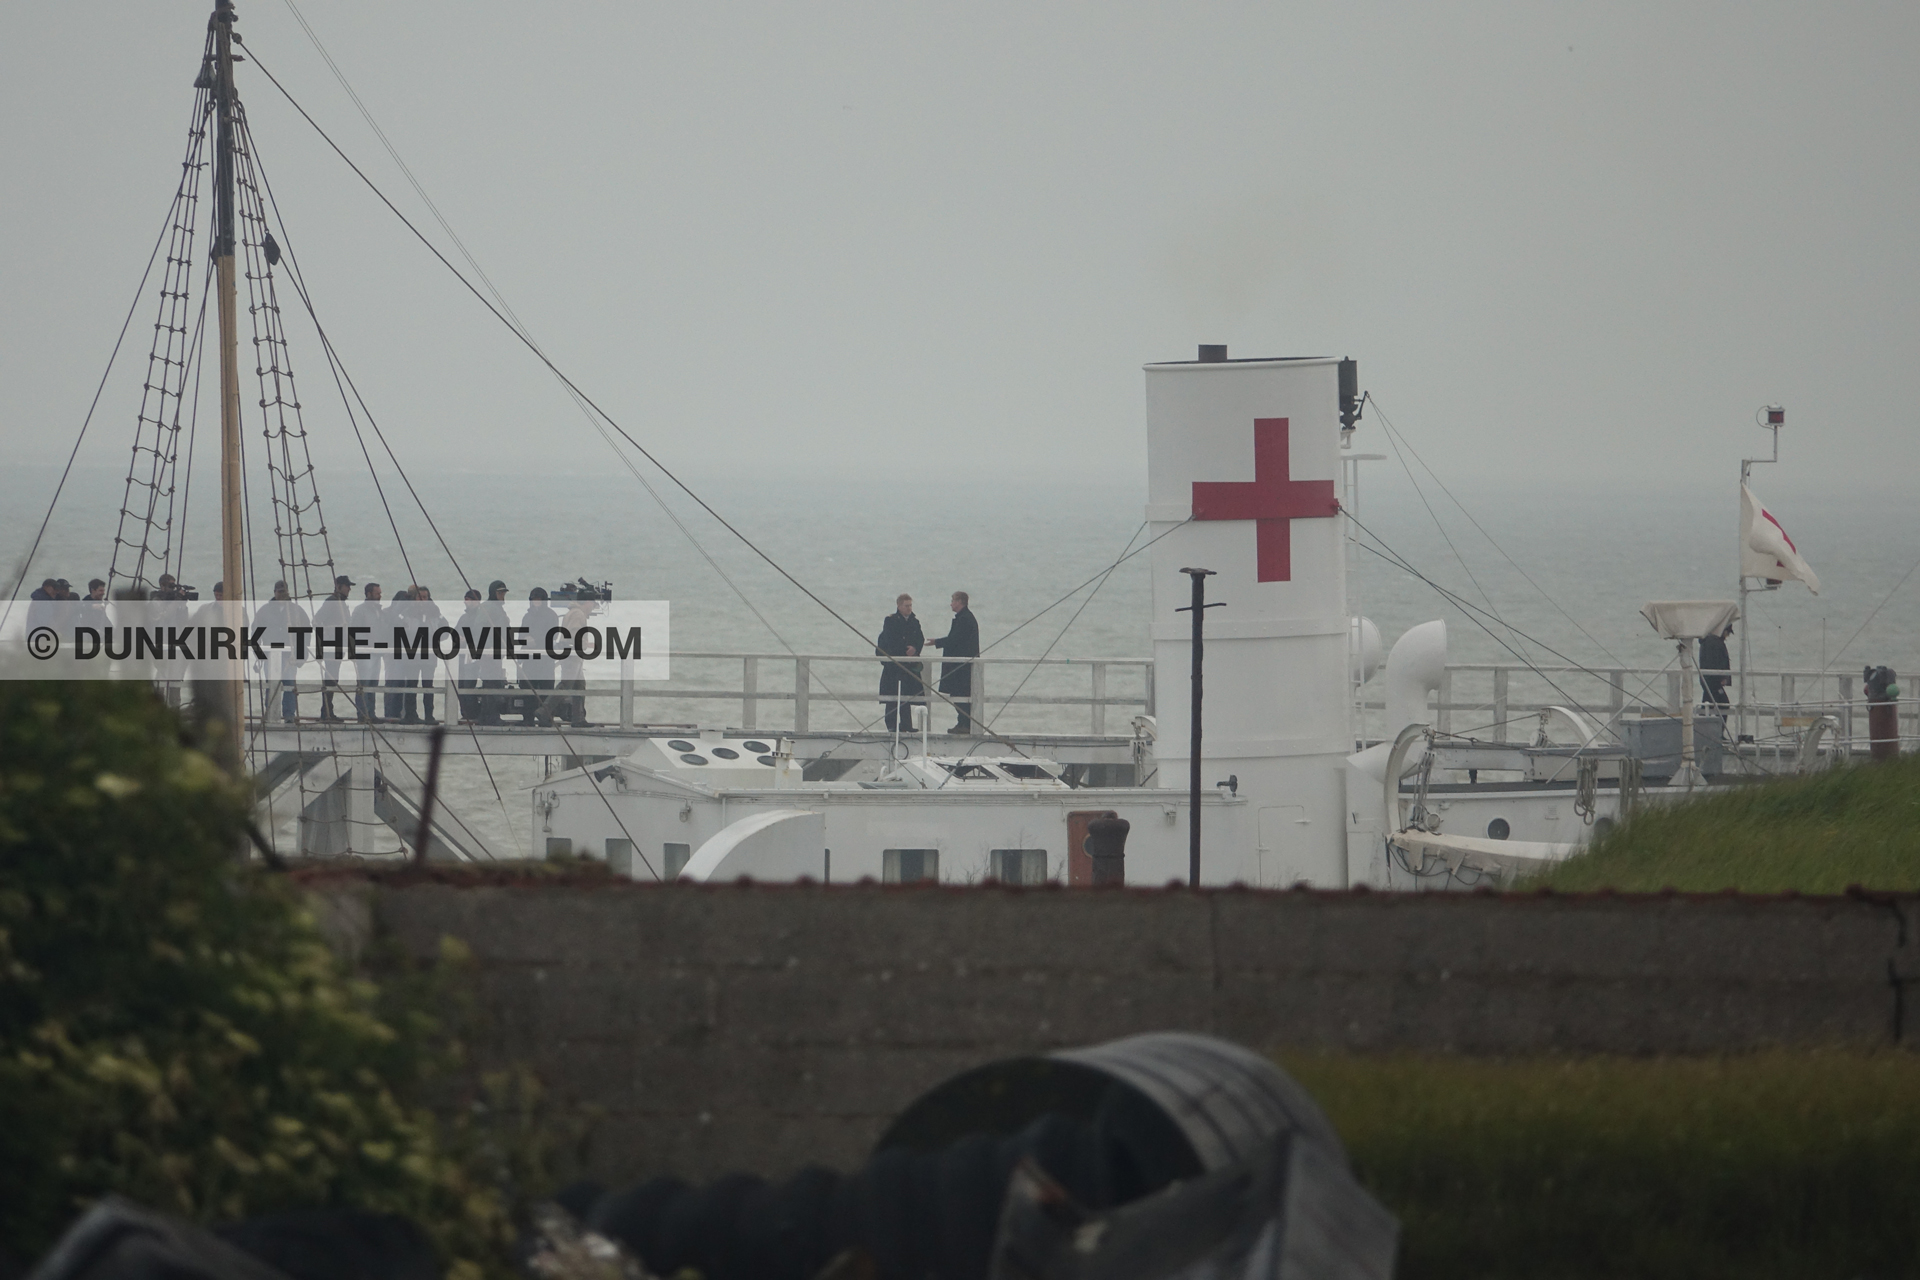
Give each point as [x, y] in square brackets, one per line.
[1593, 555]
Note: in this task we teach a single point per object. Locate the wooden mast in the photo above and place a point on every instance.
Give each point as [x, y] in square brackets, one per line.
[232, 525]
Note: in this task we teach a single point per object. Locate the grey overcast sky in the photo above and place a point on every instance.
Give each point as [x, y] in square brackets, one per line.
[1570, 243]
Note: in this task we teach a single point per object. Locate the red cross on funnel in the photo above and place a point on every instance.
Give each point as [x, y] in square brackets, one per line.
[1272, 500]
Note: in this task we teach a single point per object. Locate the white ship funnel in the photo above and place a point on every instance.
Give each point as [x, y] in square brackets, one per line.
[1242, 468]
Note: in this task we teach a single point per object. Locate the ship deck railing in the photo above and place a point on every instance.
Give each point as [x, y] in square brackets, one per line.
[815, 693]
[805, 693]
[1501, 702]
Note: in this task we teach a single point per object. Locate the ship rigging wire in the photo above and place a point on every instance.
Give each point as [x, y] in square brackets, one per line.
[1470, 609]
[1395, 433]
[1871, 616]
[1068, 625]
[26, 563]
[521, 330]
[193, 414]
[1393, 439]
[534, 347]
[573, 388]
[339, 370]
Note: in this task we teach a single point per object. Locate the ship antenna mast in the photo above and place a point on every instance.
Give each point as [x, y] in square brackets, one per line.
[232, 524]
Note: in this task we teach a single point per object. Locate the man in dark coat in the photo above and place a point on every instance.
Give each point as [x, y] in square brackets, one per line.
[900, 637]
[1713, 658]
[537, 672]
[492, 671]
[956, 678]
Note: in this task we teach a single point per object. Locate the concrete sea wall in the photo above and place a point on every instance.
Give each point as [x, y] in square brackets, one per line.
[765, 1027]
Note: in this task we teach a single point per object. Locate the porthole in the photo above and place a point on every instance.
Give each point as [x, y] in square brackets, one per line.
[726, 753]
[680, 744]
[1602, 827]
[765, 760]
[1498, 829]
[693, 759]
[756, 746]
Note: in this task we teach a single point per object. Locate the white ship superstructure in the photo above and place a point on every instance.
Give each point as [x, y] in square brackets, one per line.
[1244, 479]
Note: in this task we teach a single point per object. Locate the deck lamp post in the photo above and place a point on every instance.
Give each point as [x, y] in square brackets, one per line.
[1198, 609]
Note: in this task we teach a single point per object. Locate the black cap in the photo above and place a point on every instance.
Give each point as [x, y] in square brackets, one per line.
[496, 585]
[473, 593]
[343, 581]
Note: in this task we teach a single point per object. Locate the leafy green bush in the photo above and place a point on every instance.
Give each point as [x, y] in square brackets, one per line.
[172, 1026]
[1818, 833]
[1772, 1165]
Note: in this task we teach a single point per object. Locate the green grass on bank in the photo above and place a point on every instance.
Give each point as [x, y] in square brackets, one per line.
[1820, 833]
[1772, 1165]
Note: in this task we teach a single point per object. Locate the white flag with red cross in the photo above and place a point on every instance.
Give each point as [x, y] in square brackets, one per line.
[1765, 549]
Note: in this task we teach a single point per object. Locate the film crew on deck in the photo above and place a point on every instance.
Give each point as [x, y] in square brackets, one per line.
[1714, 659]
[491, 668]
[366, 671]
[571, 707]
[95, 602]
[956, 678]
[277, 617]
[167, 608]
[420, 670]
[468, 672]
[208, 689]
[399, 610]
[40, 604]
[900, 637]
[537, 672]
[63, 609]
[332, 615]
[211, 614]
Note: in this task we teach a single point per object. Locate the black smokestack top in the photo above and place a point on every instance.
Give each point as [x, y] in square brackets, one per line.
[1213, 353]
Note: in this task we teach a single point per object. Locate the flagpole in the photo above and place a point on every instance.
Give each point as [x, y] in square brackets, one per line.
[1740, 697]
[1772, 417]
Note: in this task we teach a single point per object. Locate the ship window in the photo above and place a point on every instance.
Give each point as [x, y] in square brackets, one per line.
[1602, 827]
[903, 866]
[755, 746]
[765, 760]
[1025, 772]
[559, 846]
[620, 857]
[1018, 866]
[690, 758]
[675, 859]
[680, 744]
[971, 772]
[1498, 829]
[726, 753]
